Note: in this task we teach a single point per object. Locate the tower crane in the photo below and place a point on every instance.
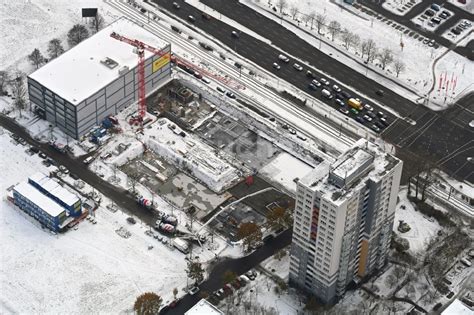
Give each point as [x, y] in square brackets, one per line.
[140, 48]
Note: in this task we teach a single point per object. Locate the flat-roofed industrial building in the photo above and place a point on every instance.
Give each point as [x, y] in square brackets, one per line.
[97, 78]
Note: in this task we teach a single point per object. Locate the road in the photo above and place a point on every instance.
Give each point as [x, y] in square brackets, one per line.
[448, 134]
[127, 204]
[405, 20]
[239, 266]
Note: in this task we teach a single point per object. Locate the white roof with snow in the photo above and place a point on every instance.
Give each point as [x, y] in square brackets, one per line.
[203, 307]
[78, 73]
[41, 200]
[54, 188]
[457, 308]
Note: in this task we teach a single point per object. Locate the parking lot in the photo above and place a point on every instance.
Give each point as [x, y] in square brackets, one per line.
[433, 17]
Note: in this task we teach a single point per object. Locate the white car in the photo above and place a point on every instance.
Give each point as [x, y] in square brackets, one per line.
[316, 83]
[368, 107]
[324, 81]
[297, 67]
[284, 58]
[336, 88]
[367, 118]
[276, 66]
[63, 169]
[194, 290]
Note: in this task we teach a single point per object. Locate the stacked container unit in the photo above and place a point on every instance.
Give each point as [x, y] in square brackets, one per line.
[52, 189]
[45, 210]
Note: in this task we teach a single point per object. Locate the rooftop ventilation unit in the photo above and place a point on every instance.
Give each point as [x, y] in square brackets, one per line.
[109, 63]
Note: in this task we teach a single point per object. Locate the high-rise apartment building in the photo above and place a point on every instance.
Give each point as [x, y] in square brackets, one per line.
[343, 220]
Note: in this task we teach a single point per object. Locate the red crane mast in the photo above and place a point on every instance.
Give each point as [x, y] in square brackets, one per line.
[140, 50]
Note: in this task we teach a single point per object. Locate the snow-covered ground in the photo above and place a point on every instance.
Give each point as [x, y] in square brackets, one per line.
[469, 6]
[422, 227]
[284, 169]
[89, 270]
[27, 25]
[417, 57]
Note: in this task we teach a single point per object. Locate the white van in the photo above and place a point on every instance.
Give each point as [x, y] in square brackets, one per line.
[325, 93]
[284, 58]
[88, 160]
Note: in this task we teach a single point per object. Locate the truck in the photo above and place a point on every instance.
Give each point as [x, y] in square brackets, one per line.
[166, 227]
[142, 201]
[355, 103]
[181, 245]
[170, 219]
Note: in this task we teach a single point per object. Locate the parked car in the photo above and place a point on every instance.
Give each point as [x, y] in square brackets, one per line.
[218, 88]
[191, 18]
[360, 119]
[235, 34]
[34, 149]
[436, 20]
[371, 114]
[276, 66]
[311, 86]
[206, 80]
[73, 176]
[206, 16]
[380, 114]
[430, 12]
[368, 107]
[193, 290]
[42, 155]
[379, 92]
[251, 274]
[198, 75]
[354, 111]
[176, 5]
[375, 128]
[336, 88]
[367, 118]
[309, 74]
[298, 67]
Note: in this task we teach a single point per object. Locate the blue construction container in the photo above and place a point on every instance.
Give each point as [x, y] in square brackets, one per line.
[50, 214]
[53, 190]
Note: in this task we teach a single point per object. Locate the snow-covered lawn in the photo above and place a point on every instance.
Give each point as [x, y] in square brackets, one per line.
[422, 227]
[31, 24]
[284, 169]
[417, 57]
[88, 270]
[468, 7]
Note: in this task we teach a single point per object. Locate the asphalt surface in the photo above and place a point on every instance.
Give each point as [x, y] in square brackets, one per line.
[239, 266]
[126, 202]
[405, 20]
[432, 141]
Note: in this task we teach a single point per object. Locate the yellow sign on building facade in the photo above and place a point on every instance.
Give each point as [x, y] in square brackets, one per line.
[161, 62]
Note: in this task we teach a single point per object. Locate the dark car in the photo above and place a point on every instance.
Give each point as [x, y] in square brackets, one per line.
[34, 149]
[340, 102]
[312, 87]
[42, 155]
[379, 92]
[309, 74]
[429, 12]
[370, 114]
[360, 119]
[344, 95]
[230, 94]
[206, 16]
[74, 176]
[456, 31]
[379, 124]
[380, 114]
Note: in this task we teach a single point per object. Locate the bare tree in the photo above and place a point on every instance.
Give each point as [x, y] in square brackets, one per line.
[19, 91]
[311, 17]
[133, 179]
[4, 79]
[77, 34]
[385, 57]
[399, 67]
[175, 293]
[355, 40]
[97, 22]
[281, 5]
[320, 20]
[36, 58]
[334, 29]
[55, 48]
[348, 38]
[293, 11]
[369, 48]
